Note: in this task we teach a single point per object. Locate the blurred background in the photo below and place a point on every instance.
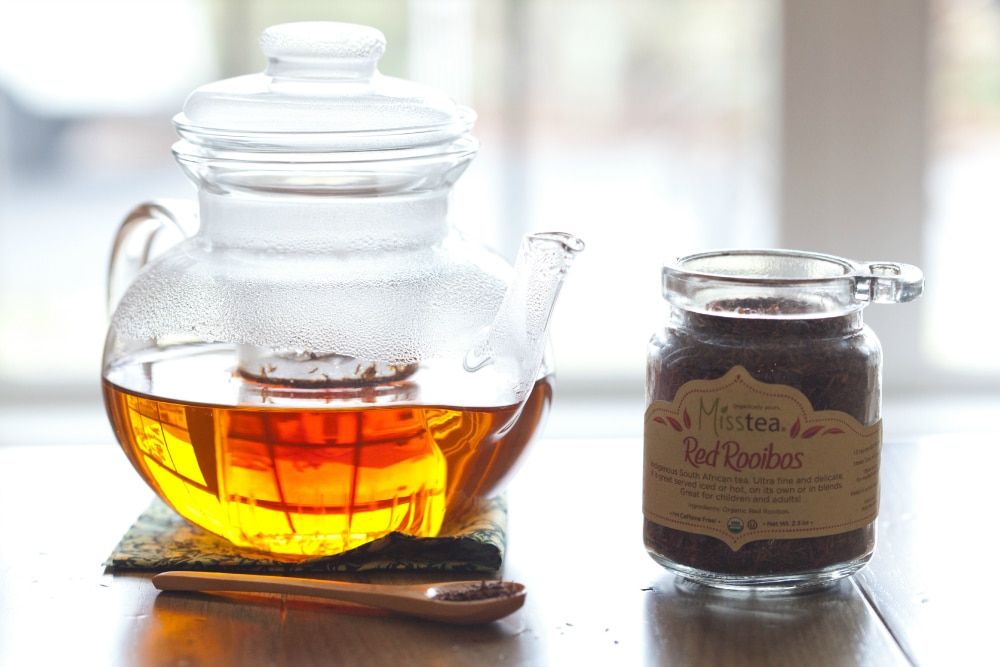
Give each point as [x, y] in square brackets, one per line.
[650, 128]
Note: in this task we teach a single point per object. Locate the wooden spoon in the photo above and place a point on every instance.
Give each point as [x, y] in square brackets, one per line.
[461, 602]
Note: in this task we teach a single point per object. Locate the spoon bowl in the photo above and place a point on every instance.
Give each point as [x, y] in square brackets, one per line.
[459, 602]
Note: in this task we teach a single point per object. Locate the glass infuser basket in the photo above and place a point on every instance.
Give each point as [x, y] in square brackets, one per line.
[322, 359]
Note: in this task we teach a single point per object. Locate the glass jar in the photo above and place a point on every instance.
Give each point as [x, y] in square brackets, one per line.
[763, 424]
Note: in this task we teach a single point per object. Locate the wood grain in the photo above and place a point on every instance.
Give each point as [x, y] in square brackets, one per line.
[930, 578]
[594, 596]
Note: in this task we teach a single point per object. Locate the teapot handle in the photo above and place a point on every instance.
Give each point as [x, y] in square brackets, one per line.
[137, 240]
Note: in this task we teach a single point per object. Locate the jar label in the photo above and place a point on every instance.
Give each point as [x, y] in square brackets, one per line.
[742, 460]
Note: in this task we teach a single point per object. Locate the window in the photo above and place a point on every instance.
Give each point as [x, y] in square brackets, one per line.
[962, 232]
[648, 128]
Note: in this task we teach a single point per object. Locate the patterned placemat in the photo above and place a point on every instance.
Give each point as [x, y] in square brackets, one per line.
[161, 539]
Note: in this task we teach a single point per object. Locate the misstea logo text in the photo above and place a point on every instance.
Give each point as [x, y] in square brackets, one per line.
[725, 422]
[730, 454]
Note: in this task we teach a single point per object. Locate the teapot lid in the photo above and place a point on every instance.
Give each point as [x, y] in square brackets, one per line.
[321, 92]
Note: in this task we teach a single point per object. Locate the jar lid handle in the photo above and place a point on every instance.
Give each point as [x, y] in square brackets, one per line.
[888, 282]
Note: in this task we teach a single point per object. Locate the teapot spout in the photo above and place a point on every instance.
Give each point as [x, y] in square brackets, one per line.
[514, 345]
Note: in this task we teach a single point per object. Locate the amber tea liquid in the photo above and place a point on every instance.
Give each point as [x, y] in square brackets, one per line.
[319, 480]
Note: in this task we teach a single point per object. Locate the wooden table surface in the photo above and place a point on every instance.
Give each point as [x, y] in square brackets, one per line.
[595, 597]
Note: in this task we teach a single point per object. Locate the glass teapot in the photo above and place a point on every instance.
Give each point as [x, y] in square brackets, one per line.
[320, 358]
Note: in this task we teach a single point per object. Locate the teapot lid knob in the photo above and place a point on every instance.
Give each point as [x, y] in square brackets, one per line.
[322, 50]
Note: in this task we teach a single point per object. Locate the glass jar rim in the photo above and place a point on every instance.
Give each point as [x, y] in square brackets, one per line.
[820, 284]
[762, 265]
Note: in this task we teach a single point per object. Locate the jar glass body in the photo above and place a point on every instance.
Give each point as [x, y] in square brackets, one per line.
[788, 340]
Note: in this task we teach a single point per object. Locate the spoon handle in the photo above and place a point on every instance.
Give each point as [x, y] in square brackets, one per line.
[377, 596]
